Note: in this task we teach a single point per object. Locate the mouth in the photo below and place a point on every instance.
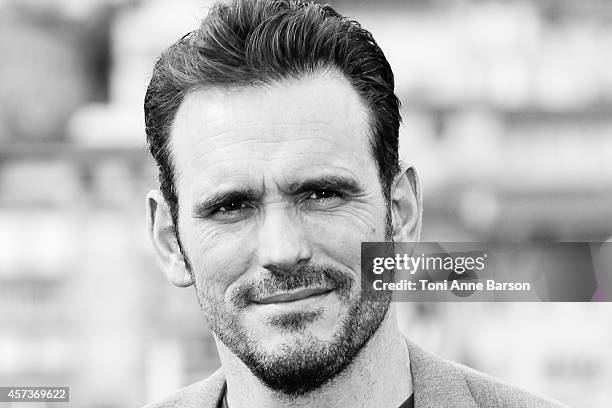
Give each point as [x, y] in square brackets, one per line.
[293, 296]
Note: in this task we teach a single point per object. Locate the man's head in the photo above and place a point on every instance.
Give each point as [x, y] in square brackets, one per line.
[275, 130]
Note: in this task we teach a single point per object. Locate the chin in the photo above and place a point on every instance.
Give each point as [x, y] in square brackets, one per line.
[295, 329]
[298, 362]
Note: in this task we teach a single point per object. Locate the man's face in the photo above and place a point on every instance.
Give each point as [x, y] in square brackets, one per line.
[277, 189]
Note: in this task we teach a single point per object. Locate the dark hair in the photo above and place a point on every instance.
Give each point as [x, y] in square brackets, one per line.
[250, 42]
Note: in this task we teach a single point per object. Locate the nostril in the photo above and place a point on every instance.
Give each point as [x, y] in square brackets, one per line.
[277, 270]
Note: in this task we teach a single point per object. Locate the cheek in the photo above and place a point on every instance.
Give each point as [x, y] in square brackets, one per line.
[218, 258]
[339, 237]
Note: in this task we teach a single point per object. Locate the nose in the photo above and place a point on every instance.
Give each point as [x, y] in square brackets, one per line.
[282, 244]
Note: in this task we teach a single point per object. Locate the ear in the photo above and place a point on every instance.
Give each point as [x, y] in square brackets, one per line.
[407, 206]
[161, 232]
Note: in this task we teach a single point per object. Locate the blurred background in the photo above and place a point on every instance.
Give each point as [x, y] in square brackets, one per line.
[507, 109]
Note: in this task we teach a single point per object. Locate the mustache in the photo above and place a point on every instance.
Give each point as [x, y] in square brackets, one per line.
[299, 277]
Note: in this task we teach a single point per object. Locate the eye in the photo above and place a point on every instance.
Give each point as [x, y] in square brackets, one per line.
[324, 199]
[231, 208]
[321, 195]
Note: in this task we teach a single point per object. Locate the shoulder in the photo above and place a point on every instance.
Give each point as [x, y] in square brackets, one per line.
[440, 383]
[203, 394]
[491, 392]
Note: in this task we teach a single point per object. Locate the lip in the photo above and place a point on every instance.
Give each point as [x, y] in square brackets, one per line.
[293, 296]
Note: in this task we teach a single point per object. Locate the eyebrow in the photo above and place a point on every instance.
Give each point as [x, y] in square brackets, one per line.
[204, 207]
[331, 182]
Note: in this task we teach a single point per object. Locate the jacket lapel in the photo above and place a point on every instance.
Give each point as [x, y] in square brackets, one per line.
[437, 383]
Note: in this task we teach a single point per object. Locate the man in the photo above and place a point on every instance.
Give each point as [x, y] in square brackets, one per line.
[275, 130]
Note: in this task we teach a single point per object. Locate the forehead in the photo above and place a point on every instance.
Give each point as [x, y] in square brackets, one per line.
[293, 126]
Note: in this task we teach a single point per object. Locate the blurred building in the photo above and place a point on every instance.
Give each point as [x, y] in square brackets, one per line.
[507, 109]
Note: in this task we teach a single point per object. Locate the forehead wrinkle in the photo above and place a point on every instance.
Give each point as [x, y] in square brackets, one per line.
[203, 149]
[227, 140]
[221, 168]
[238, 127]
[270, 132]
[224, 170]
[276, 123]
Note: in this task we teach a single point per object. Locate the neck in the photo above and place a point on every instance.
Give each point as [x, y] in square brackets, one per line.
[378, 377]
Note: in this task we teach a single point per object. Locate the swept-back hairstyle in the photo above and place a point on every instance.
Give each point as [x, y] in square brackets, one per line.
[254, 42]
